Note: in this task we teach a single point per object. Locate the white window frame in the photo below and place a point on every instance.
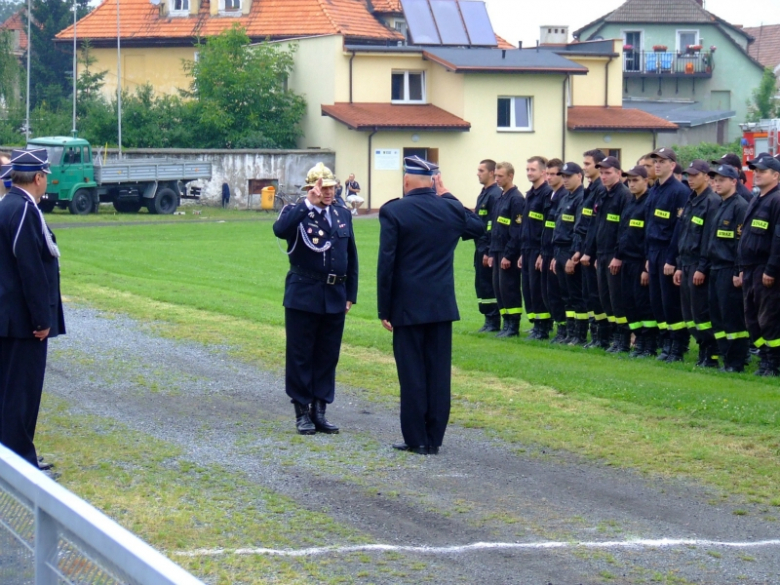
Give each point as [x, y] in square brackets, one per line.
[406, 99]
[173, 11]
[641, 32]
[231, 11]
[683, 31]
[512, 115]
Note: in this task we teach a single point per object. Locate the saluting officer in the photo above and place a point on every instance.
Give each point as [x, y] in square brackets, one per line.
[483, 277]
[693, 266]
[759, 261]
[727, 308]
[319, 291]
[416, 297]
[30, 302]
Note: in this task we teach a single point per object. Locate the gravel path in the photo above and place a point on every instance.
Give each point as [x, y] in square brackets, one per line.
[478, 490]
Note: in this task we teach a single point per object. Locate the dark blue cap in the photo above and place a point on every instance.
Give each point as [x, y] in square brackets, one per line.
[414, 165]
[5, 171]
[725, 170]
[30, 161]
[765, 162]
[571, 168]
[697, 166]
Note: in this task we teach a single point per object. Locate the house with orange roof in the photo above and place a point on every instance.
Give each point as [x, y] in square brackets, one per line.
[384, 79]
[15, 24]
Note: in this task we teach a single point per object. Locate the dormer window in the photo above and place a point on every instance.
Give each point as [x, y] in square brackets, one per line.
[179, 7]
[230, 6]
[408, 87]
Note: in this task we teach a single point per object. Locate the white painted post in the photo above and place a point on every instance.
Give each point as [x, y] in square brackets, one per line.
[46, 536]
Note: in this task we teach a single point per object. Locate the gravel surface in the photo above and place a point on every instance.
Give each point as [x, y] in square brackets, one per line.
[477, 490]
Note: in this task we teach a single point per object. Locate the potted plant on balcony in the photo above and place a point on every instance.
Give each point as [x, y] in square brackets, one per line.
[660, 48]
[627, 48]
[692, 49]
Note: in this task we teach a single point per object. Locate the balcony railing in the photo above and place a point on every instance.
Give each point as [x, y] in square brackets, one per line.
[668, 63]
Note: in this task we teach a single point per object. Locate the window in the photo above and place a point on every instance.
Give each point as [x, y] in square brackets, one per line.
[230, 5]
[179, 7]
[408, 87]
[616, 152]
[515, 113]
[401, 27]
[632, 57]
[685, 38]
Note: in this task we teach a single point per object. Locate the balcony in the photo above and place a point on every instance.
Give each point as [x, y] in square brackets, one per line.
[668, 64]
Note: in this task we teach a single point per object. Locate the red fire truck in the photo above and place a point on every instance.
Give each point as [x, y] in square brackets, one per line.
[758, 137]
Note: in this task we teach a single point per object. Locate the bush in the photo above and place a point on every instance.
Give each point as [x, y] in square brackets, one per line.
[706, 151]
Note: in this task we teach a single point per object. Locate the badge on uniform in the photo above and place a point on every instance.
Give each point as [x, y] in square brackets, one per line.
[309, 231]
[726, 222]
[311, 214]
[519, 218]
[739, 230]
[320, 233]
[679, 211]
[341, 225]
[336, 213]
[315, 241]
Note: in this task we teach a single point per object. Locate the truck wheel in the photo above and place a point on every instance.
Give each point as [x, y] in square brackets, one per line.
[127, 206]
[165, 202]
[81, 204]
[47, 206]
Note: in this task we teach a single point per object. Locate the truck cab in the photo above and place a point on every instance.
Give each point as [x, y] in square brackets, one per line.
[72, 181]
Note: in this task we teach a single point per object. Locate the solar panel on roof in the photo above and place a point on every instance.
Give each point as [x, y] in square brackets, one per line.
[422, 27]
[477, 21]
[449, 22]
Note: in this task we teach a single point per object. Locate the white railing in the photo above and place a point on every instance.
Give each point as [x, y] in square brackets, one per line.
[49, 536]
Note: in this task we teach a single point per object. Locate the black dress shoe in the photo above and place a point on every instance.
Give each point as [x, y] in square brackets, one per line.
[317, 415]
[421, 450]
[44, 466]
[302, 420]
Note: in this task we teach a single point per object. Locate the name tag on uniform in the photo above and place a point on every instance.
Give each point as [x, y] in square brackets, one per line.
[504, 220]
[637, 223]
[613, 217]
[697, 220]
[725, 234]
[662, 214]
[489, 225]
[535, 215]
[483, 211]
[566, 217]
[549, 224]
[761, 224]
[587, 211]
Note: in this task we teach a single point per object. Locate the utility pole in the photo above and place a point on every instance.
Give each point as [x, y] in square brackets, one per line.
[29, 50]
[118, 79]
[75, 12]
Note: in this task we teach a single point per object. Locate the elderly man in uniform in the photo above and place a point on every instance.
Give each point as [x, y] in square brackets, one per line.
[416, 297]
[30, 302]
[319, 291]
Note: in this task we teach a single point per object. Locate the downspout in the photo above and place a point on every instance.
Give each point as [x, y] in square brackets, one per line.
[352, 58]
[655, 139]
[370, 152]
[563, 120]
[606, 82]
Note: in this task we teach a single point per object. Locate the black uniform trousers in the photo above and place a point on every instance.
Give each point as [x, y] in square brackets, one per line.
[22, 368]
[636, 298]
[532, 287]
[727, 312]
[483, 283]
[313, 346]
[762, 308]
[665, 298]
[570, 286]
[590, 291]
[611, 291]
[551, 291]
[506, 284]
[423, 357]
[695, 304]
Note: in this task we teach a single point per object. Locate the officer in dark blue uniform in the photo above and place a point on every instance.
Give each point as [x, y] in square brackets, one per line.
[319, 291]
[30, 302]
[736, 163]
[483, 273]
[416, 297]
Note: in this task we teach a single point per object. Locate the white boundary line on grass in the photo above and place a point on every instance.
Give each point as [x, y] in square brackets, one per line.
[477, 546]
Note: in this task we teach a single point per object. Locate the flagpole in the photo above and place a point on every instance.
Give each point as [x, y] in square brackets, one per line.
[74, 68]
[118, 80]
[29, 50]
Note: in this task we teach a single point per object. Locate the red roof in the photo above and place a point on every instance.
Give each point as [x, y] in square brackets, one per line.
[614, 118]
[267, 18]
[367, 116]
[387, 6]
[766, 48]
[15, 23]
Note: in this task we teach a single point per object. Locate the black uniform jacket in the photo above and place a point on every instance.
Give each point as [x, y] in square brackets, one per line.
[607, 220]
[507, 224]
[760, 242]
[550, 213]
[744, 192]
[29, 275]
[533, 218]
[593, 192]
[723, 234]
[666, 204]
[569, 211]
[306, 293]
[690, 234]
[419, 234]
[631, 234]
[487, 199]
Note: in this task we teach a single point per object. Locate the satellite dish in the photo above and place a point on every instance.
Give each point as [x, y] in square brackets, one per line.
[155, 2]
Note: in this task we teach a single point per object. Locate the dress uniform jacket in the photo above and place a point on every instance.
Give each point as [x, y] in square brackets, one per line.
[486, 200]
[690, 234]
[507, 225]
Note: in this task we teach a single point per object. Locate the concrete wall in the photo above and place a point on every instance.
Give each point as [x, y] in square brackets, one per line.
[690, 136]
[238, 167]
[602, 83]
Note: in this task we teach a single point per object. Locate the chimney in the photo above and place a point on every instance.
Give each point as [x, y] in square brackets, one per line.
[519, 44]
[553, 35]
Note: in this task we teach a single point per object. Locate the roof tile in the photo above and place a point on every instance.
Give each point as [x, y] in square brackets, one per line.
[365, 116]
[766, 48]
[14, 23]
[614, 118]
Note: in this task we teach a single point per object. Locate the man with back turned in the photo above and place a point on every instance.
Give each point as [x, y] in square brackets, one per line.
[416, 297]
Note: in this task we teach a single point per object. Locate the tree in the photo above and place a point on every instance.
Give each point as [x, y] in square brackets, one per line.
[764, 103]
[8, 9]
[240, 96]
[10, 71]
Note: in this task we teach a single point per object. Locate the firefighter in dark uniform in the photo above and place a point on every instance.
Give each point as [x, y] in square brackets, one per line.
[551, 292]
[693, 266]
[30, 302]
[569, 273]
[533, 224]
[734, 161]
[590, 289]
[507, 222]
[319, 291]
[416, 297]
[667, 200]
[759, 262]
[727, 309]
[483, 273]
[630, 259]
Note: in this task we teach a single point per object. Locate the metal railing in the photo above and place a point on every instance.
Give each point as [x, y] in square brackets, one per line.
[668, 63]
[49, 536]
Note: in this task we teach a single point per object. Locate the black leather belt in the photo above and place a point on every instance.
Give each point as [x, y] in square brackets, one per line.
[326, 278]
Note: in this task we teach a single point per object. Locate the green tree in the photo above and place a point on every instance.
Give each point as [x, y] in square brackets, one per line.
[705, 151]
[240, 96]
[764, 103]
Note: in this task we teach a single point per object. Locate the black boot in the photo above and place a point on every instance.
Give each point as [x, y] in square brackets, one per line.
[593, 325]
[711, 354]
[512, 328]
[624, 339]
[734, 354]
[492, 323]
[560, 336]
[571, 330]
[651, 342]
[604, 334]
[535, 330]
[580, 333]
[763, 361]
[640, 344]
[675, 351]
[302, 420]
[317, 414]
[772, 369]
[702, 358]
[666, 346]
[614, 340]
[504, 329]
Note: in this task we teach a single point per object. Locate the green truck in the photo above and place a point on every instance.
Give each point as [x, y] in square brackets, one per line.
[80, 183]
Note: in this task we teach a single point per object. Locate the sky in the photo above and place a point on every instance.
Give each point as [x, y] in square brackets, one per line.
[517, 20]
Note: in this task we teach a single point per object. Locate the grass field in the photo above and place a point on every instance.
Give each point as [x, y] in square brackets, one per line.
[205, 281]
